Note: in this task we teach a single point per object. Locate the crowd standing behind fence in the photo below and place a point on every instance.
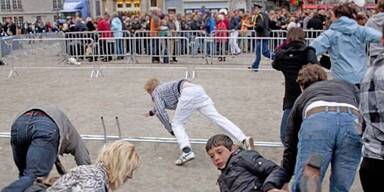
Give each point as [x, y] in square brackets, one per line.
[235, 32]
[280, 19]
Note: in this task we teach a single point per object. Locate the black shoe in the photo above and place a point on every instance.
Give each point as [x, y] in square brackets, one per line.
[253, 69]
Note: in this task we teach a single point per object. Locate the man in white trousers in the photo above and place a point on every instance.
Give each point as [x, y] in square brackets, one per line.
[186, 97]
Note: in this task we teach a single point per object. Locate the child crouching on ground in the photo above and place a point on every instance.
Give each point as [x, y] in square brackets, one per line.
[243, 170]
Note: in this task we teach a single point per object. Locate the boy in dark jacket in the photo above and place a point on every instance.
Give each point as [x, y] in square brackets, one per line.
[243, 170]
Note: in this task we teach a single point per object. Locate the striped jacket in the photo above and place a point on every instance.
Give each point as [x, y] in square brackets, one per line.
[166, 96]
[372, 109]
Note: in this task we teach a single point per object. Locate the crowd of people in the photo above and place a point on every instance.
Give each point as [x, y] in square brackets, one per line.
[228, 26]
[325, 121]
[280, 19]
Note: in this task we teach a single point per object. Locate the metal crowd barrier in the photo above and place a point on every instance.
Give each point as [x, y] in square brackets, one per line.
[105, 49]
[191, 35]
[43, 53]
[161, 49]
[95, 35]
[220, 47]
[153, 139]
[309, 33]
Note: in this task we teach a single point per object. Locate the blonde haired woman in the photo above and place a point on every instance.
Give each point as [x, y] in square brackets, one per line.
[115, 165]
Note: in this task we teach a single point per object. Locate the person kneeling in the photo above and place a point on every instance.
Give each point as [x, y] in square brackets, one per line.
[243, 170]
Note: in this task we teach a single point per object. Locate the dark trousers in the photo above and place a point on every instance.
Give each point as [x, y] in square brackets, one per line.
[34, 141]
[155, 50]
[371, 174]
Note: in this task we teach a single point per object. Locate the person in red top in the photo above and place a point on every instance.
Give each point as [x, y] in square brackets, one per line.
[222, 41]
[105, 32]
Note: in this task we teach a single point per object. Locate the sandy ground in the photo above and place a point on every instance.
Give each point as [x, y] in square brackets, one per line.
[251, 100]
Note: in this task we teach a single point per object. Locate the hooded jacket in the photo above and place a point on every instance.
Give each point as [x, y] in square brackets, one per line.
[376, 22]
[346, 43]
[117, 27]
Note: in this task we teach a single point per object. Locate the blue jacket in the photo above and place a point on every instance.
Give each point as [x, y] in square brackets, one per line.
[116, 27]
[346, 43]
[210, 25]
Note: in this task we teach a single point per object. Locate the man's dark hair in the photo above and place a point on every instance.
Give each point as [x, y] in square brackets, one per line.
[310, 74]
[219, 140]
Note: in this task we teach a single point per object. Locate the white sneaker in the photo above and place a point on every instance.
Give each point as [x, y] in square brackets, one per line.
[248, 143]
[73, 61]
[185, 157]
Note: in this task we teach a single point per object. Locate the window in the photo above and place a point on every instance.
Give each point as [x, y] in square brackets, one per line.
[137, 4]
[57, 4]
[2, 3]
[8, 5]
[129, 5]
[14, 4]
[19, 5]
[119, 5]
[153, 3]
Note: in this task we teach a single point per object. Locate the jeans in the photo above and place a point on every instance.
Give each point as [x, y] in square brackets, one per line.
[371, 171]
[261, 48]
[283, 125]
[119, 47]
[154, 50]
[334, 136]
[34, 141]
[193, 98]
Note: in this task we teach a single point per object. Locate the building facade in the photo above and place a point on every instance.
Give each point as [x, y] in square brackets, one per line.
[29, 10]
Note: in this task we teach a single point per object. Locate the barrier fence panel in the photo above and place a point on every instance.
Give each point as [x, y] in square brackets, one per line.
[220, 47]
[309, 33]
[161, 49]
[279, 33]
[116, 48]
[237, 42]
[95, 35]
[46, 52]
[195, 46]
